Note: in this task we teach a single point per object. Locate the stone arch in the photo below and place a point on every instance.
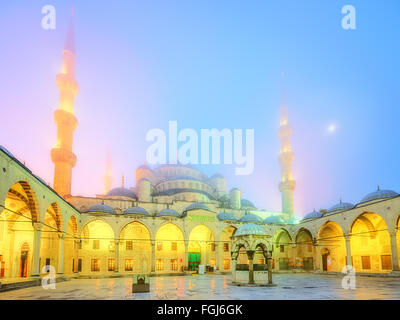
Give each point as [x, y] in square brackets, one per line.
[122, 226]
[97, 247]
[202, 245]
[135, 248]
[370, 243]
[169, 248]
[224, 248]
[25, 193]
[331, 247]
[70, 261]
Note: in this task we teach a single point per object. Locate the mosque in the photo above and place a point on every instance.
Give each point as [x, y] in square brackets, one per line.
[176, 219]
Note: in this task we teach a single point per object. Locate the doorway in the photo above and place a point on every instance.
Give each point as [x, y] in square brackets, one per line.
[326, 261]
[193, 261]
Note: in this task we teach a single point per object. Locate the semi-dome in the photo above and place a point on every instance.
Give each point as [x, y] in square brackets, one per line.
[196, 206]
[136, 210]
[246, 203]
[313, 215]
[379, 194]
[121, 192]
[341, 206]
[249, 229]
[274, 219]
[251, 218]
[168, 213]
[101, 208]
[226, 216]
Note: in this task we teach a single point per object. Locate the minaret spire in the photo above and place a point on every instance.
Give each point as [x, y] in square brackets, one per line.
[287, 184]
[108, 179]
[63, 157]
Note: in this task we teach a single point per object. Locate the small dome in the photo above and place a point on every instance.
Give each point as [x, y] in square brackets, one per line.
[379, 194]
[246, 203]
[248, 229]
[341, 206]
[226, 216]
[101, 208]
[196, 206]
[121, 192]
[313, 215]
[251, 218]
[168, 213]
[274, 219]
[136, 210]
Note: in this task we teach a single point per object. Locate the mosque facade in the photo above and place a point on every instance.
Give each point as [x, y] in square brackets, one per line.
[177, 220]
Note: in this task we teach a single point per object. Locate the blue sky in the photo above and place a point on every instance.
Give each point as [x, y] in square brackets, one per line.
[210, 64]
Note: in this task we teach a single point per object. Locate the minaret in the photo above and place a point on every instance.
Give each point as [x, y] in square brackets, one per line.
[63, 157]
[108, 179]
[286, 156]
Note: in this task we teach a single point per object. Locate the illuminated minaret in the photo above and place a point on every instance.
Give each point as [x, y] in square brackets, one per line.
[108, 179]
[286, 156]
[63, 157]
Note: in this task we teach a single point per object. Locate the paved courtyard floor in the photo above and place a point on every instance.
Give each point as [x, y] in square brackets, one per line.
[218, 287]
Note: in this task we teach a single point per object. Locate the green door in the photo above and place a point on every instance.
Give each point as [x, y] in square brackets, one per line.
[193, 261]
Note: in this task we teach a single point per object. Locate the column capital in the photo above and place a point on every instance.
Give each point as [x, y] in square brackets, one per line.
[60, 235]
[37, 226]
[117, 241]
[250, 254]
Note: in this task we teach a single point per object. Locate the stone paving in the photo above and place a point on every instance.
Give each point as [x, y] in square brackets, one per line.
[218, 287]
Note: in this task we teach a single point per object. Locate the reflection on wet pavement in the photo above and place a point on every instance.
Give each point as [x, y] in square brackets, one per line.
[218, 287]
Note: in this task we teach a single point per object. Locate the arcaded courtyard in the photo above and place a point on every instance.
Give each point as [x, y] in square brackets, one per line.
[218, 287]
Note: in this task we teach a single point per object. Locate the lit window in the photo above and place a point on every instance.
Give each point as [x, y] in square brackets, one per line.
[366, 262]
[159, 264]
[159, 246]
[174, 246]
[128, 265]
[129, 245]
[309, 247]
[226, 247]
[212, 262]
[282, 248]
[96, 244]
[260, 261]
[227, 264]
[213, 246]
[386, 262]
[174, 264]
[95, 265]
[111, 264]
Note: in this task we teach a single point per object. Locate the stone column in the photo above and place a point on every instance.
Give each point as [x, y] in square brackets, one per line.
[60, 269]
[234, 269]
[348, 250]
[153, 256]
[294, 255]
[395, 254]
[185, 258]
[116, 256]
[250, 255]
[315, 246]
[35, 267]
[269, 266]
[76, 255]
[217, 262]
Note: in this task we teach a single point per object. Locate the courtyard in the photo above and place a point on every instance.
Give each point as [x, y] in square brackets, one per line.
[216, 287]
